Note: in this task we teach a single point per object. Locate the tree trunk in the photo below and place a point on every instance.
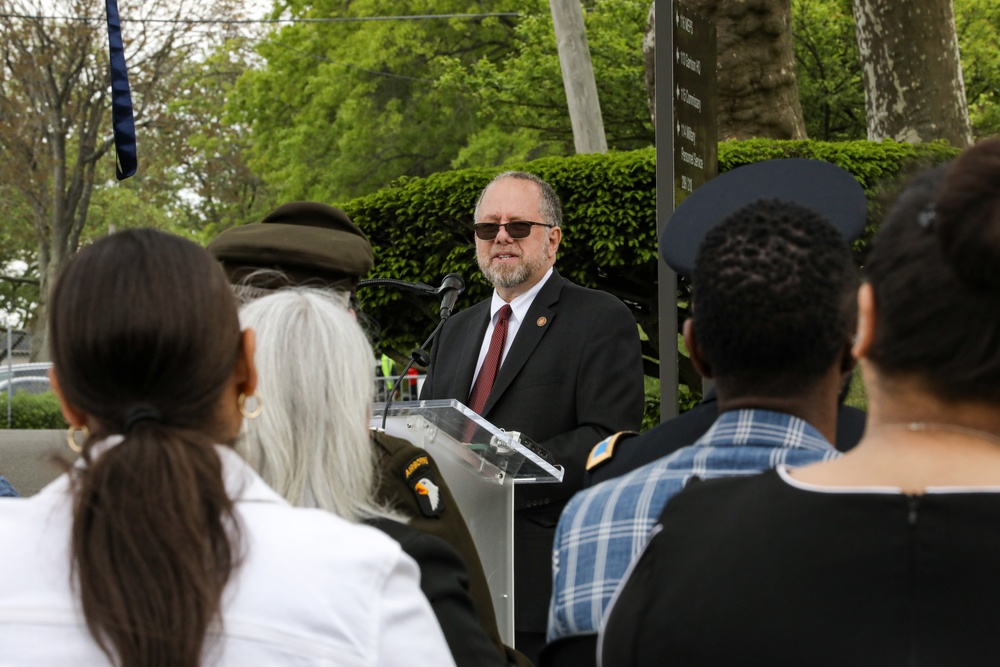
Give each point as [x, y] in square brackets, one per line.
[649, 58]
[755, 81]
[913, 77]
[578, 77]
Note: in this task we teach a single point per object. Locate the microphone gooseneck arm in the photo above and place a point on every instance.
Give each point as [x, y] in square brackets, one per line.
[419, 354]
[451, 286]
[423, 288]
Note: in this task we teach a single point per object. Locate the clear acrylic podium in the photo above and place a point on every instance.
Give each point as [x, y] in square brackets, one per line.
[481, 464]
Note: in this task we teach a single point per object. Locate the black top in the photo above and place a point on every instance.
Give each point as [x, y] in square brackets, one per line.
[755, 571]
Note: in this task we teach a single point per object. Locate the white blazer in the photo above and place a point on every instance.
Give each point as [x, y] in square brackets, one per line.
[313, 589]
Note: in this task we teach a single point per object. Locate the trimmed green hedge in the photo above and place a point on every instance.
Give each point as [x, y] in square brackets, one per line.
[32, 411]
[421, 228]
[880, 167]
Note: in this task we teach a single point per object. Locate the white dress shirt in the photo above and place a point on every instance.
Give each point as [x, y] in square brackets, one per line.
[519, 306]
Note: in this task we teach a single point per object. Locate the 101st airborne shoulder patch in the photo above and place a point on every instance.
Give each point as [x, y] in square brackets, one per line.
[420, 478]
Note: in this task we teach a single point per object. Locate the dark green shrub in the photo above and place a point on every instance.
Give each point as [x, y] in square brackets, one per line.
[421, 230]
[32, 411]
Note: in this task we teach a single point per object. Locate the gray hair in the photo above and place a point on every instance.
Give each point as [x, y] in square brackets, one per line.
[548, 205]
[262, 282]
[311, 443]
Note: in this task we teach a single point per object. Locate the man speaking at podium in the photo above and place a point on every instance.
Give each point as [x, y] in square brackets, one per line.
[558, 362]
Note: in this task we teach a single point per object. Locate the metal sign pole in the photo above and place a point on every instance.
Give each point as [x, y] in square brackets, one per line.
[666, 278]
[10, 377]
[686, 150]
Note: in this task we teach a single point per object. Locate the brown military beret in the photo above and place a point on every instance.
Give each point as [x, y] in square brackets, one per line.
[310, 243]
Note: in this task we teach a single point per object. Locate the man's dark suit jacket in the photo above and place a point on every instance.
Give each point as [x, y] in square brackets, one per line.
[572, 376]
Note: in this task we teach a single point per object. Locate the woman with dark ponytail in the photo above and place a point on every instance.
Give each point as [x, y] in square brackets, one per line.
[161, 546]
[888, 555]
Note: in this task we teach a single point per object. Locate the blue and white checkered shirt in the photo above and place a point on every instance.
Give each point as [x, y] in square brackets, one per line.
[603, 528]
[6, 490]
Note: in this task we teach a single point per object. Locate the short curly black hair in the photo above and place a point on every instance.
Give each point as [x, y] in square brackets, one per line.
[774, 304]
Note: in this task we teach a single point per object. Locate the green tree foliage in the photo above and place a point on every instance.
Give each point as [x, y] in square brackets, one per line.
[340, 109]
[18, 296]
[18, 287]
[343, 108]
[978, 25]
[56, 155]
[828, 69]
[127, 206]
[33, 411]
[521, 96]
[55, 126]
[200, 151]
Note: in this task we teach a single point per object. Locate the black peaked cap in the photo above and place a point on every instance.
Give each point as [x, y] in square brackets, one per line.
[821, 186]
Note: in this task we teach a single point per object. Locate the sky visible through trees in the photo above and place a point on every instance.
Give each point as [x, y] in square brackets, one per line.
[258, 113]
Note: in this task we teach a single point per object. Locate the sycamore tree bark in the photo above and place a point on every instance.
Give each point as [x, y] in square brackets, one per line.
[912, 74]
[757, 91]
[649, 59]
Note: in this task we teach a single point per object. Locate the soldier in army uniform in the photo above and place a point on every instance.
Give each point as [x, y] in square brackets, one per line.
[316, 245]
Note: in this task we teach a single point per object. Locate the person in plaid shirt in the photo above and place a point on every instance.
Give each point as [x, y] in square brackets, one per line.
[6, 490]
[772, 320]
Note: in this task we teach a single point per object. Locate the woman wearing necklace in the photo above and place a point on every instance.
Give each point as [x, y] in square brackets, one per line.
[887, 555]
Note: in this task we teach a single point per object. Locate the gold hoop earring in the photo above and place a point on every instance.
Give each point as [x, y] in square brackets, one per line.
[71, 437]
[242, 402]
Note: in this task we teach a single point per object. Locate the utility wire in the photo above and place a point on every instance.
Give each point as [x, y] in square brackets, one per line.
[341, 19]
[337, 19]
[321, 58]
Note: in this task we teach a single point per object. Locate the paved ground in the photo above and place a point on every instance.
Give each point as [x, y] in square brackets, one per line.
[29, 459]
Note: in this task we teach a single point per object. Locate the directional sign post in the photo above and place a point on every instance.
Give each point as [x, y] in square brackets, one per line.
[686, 150]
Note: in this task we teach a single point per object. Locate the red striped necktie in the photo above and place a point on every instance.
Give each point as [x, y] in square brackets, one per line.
[491, 365]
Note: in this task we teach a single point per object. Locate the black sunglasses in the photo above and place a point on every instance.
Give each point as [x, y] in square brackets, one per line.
[520, 229]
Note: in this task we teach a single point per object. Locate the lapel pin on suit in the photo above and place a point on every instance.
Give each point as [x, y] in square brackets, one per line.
[541, 321]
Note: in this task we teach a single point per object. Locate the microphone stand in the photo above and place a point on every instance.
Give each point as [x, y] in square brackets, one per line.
[420, 354]
[423, 288]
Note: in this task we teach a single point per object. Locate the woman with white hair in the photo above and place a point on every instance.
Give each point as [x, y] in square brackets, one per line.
[312, 444]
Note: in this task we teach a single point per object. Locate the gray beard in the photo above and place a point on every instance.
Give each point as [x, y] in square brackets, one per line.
[505, 276]
[512, 276]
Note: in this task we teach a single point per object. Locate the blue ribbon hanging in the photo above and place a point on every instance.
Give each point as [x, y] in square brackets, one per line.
[121, 99]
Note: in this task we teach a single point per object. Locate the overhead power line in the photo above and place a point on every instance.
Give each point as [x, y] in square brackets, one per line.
[332, 19]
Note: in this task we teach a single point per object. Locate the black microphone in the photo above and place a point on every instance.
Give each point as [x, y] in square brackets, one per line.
[451, 286]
